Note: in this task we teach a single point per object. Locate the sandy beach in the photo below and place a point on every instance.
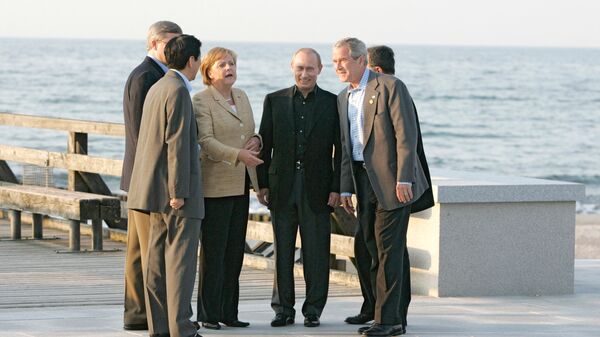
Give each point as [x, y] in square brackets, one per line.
[587, 236]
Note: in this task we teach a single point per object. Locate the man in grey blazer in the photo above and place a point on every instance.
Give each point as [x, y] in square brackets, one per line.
[138, 223]
[380, 165]
[166, 182]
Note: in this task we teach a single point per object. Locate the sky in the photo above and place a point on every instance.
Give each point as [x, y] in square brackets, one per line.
[552, 23]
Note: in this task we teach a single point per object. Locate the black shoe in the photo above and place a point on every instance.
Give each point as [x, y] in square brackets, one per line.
[236, 324]
[196, 325]
[384, 330]
[211, 325]
[364, 328]
[311, 321]
[359, 319]
[282, 320]
[141, 326]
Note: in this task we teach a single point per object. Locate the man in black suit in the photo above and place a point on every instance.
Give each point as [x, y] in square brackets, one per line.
[381, 60]
[299, 182]
[139, 82]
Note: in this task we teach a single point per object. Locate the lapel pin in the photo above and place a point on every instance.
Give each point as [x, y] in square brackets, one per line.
[371, 100]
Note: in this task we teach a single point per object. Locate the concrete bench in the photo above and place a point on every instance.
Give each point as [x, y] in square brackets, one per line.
[492, 235]
[73, 206]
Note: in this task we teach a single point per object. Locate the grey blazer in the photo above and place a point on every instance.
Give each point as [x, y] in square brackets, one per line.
[390, 134]
[167, 161]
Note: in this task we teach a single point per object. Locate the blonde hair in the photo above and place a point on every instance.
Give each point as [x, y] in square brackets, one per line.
[210, 58]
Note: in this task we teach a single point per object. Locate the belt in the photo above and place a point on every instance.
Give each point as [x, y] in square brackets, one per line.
[299, 165]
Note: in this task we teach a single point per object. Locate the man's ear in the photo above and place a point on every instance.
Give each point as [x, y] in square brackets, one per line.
[191, 61]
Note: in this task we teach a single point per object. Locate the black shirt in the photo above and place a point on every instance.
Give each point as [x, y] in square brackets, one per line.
[303, 107]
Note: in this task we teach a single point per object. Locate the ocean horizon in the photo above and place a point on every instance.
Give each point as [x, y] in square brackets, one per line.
[521, 111]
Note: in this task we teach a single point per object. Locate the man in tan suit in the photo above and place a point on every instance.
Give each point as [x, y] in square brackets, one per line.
[166, 182]
[380, 164]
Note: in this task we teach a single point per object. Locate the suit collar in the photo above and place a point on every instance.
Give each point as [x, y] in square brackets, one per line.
[183, 78]
[158, 64]
[237, 98]
[151, 63]
[370, 104]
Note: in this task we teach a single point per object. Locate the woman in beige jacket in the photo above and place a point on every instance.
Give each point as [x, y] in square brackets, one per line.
[229, 155]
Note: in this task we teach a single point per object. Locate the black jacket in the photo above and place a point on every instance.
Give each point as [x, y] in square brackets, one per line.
[321, 169]
[138, 83]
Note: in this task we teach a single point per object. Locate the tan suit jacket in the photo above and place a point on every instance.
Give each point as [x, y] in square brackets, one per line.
[166, 162]
[222, 133]
[390, 135]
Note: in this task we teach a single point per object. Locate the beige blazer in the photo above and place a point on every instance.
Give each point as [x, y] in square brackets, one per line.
[222, 132]
[166, 163]
[390, 133]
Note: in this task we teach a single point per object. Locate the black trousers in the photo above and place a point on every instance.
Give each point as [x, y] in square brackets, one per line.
[223, 239]
[315, 233]
[381, 255]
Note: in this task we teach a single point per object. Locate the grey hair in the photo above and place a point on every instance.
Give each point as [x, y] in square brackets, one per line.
[159, 29]
[308, 50]
[357, 47]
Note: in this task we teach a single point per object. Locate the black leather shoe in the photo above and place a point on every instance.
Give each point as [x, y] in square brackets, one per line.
[211, 325]
[311, 321]
[384, 330]
[141, 326]
[236, 324]
[364, 328]
[359, 319]
[282, 320]
[196, 325]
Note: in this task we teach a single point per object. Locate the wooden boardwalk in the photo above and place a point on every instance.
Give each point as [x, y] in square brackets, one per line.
[42, 273]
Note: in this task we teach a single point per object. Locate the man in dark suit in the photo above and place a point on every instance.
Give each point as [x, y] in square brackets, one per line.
[139, 82]
[300, 183]
[166, 182]
[380, 164]
[381, 60]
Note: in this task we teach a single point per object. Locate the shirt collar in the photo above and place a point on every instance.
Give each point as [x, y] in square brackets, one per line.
[363, 82]
[188, 85]
[160, 64]
[297, 91]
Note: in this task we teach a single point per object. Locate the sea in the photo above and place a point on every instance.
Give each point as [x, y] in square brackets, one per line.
[532, 112]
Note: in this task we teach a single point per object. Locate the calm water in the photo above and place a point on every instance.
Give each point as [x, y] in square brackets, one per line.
[520, 111]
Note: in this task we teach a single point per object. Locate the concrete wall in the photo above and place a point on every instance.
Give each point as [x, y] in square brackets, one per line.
[494, 235]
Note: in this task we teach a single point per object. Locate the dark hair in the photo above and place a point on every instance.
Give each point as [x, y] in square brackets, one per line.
[383, 57]
[179, 49]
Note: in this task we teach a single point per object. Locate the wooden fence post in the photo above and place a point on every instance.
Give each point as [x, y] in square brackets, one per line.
[77, 144]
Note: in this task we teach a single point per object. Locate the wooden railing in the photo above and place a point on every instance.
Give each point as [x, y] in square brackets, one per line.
[83, 170]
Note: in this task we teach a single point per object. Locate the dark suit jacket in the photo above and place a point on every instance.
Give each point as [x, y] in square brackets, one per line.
[138, 83]
[167, 162]
[390, 135]
[426, 200]
[321, 174]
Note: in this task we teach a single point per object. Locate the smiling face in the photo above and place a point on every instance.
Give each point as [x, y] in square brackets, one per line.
[348, 69]
[223, 71]
[306, 68]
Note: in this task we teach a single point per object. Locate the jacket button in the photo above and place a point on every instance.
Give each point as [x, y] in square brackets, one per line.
[243, 137]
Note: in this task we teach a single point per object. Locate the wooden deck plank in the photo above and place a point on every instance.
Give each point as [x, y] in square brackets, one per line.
[32, 274]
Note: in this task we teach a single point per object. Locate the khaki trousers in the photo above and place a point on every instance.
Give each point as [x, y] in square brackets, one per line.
[171, 274]
[138, 227]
